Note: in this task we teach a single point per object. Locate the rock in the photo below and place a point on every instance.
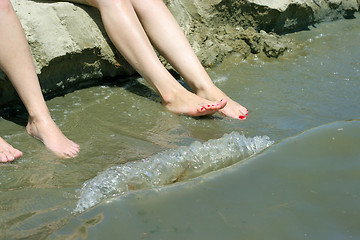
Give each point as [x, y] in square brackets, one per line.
[271, 44]
[71, 48]
[350, 7]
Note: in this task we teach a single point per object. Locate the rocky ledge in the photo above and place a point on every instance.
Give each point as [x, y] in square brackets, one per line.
[71, 49]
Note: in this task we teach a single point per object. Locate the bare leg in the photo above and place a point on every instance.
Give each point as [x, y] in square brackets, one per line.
[129, 37]
[169, 39]
[16, 62]
[7, 152]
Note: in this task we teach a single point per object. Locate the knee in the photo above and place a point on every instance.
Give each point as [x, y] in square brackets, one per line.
[5, 5]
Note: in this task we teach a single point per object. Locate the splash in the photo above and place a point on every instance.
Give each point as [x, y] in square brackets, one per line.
[170, 166]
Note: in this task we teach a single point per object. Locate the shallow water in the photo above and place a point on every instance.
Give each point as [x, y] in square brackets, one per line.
[295, 189]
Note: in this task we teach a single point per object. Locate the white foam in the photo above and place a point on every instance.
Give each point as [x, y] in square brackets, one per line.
[170, 166]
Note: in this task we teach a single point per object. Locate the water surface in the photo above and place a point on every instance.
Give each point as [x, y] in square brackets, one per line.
[294, 190]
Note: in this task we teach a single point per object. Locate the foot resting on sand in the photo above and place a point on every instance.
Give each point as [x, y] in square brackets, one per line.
[7, 152]
[48, 132]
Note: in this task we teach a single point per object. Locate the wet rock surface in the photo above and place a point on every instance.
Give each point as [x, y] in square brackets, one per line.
[71, 48]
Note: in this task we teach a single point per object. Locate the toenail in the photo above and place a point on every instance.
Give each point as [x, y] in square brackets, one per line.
[208, 105]
[202, 109]
[242, 117]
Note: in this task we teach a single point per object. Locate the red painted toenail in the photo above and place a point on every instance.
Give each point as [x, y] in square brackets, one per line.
[242, 117]
[208, 105]
[202, 109]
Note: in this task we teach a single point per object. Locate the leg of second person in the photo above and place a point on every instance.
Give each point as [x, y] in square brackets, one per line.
[7, 152]
[129, 37]
[16, 62]
[169, 39]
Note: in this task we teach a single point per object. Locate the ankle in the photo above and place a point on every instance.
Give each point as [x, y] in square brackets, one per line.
[172, 94]
[168, 98]
[40, 119]
[203, 83]
[212, 93]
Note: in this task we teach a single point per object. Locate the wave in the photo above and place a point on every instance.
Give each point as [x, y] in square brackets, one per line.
[169, 167]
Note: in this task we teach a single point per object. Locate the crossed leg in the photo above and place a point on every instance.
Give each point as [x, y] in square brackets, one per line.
[16, 62]
[128, 26]
[169, 39]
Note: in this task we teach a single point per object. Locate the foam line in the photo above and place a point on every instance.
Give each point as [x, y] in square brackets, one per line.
[170, 166]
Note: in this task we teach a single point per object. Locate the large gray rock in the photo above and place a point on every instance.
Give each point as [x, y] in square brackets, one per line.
[71, 49]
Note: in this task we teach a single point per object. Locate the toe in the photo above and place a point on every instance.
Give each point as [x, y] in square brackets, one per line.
[222, 103]
[74, 152]
[17, 153]
[10, 157]
[3, 157]
[204, 110]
